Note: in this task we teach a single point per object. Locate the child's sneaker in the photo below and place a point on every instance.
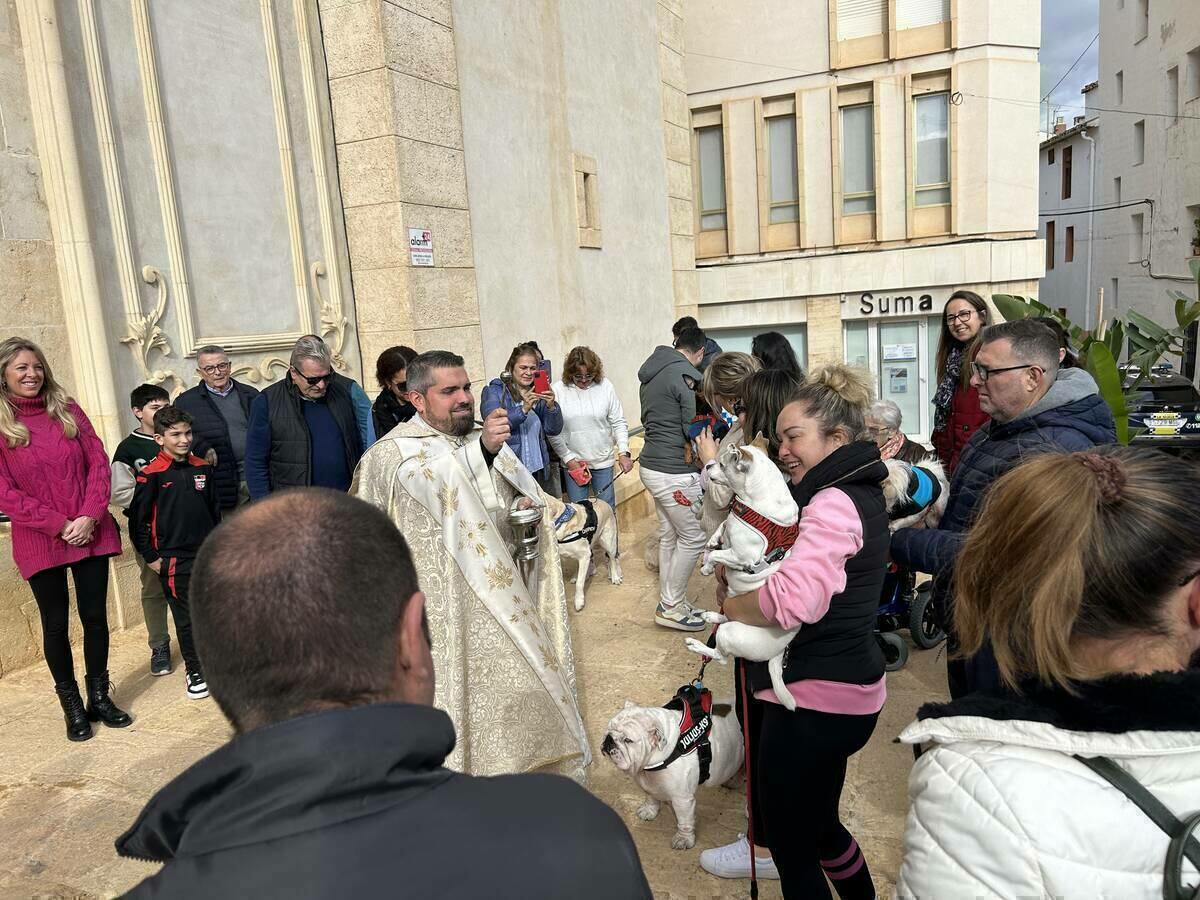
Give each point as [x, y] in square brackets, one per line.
[197, 687]
[160, 660]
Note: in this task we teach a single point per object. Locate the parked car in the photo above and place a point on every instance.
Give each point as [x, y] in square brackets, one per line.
[1164, 411]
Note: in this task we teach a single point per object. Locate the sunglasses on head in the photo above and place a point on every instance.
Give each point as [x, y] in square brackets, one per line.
[314, 380]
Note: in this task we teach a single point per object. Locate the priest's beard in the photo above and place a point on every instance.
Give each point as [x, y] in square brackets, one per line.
[459, 422]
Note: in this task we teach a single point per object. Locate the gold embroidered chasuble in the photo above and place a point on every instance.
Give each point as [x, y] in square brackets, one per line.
[503, 658]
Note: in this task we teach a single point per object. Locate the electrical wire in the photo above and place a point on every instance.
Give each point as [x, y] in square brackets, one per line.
[1073, 65]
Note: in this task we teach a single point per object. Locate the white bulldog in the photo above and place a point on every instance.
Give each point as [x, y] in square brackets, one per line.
[641, 737]
[915, 495]
[571, 518]
[762, 514]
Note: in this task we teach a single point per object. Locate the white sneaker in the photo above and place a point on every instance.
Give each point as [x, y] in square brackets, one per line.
[733, 861]
[681, 617]
[197, 687]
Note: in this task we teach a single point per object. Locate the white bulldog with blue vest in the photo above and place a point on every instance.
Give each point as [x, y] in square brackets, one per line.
[670, 751]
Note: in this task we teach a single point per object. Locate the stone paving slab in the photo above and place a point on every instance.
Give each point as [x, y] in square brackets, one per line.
[63, 804]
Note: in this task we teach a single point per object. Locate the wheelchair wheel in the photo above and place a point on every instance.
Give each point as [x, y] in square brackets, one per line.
[923, 622]
[895, 650]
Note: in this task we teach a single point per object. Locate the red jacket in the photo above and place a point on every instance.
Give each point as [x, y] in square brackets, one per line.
[964, 419]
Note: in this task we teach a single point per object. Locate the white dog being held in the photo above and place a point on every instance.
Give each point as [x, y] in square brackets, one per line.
[641, 737]
[758, 533]
[570, 521]
[915, 495]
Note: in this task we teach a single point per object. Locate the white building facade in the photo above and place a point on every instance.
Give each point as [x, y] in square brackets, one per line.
[856, 161]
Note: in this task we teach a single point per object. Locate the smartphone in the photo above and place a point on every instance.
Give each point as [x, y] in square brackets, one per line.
[541, 382]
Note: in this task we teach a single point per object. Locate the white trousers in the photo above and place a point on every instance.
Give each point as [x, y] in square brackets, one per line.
[681, 540]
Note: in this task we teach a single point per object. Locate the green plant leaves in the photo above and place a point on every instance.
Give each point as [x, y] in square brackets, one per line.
[1102, 366]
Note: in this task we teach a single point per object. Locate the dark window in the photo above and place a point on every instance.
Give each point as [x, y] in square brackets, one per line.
[1050, 154]
[1069, 252]
[1049, 245]
[1066, 174]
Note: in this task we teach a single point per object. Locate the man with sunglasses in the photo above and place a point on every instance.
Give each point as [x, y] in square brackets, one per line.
[220, 409]
[1035, 407]
[303, 429]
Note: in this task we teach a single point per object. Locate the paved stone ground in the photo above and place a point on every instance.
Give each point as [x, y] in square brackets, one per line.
[62, 804]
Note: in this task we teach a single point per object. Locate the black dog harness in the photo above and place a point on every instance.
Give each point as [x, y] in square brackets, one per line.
[589, 525]
[695, 728]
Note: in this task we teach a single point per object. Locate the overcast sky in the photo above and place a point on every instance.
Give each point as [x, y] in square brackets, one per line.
[1067, 26]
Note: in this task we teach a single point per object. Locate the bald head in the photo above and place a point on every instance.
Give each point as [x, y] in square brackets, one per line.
[300, 603]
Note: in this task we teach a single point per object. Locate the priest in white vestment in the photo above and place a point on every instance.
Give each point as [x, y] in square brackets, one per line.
[503, 659]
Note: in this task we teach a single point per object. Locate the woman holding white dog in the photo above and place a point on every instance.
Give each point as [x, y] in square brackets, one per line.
[829, 587]
[593, 423]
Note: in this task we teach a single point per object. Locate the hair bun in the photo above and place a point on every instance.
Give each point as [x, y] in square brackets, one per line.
[853, 385]
[1108, 473]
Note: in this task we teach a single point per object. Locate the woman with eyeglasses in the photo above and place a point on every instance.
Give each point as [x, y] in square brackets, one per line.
[533, 416]
[1083, 573]
[956, 411]
[391, 407]
[883, 425]
[593, 424]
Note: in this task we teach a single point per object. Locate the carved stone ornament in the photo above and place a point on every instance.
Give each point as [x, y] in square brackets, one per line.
[144, 336]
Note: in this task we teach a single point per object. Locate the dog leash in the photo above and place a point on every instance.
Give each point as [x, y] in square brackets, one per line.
[749, 780]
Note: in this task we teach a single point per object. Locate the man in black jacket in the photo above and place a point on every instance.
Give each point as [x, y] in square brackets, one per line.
[220, 411]
[334, 785]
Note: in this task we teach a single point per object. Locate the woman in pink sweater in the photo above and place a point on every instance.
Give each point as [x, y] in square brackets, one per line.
[828, 588]
[54, 487]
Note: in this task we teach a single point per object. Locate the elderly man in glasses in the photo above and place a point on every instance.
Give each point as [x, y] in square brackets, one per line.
[1036, 407]
[303, 429]
[220, 409]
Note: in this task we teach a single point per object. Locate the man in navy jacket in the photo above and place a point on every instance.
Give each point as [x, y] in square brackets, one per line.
[1035, 408]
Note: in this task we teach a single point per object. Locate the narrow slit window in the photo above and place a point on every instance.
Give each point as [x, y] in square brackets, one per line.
[711, 141]
[931, 115]
[783, 182]
[858, 159]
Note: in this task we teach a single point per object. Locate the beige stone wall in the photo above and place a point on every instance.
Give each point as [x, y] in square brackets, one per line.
[393, 81]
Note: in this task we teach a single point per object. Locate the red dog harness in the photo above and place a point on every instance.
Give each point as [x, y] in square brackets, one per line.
[694, 729]
[779, 538]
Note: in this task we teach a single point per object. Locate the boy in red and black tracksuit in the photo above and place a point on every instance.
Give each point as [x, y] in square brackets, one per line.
[175, 507]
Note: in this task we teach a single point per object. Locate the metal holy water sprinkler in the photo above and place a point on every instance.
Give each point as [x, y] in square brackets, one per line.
[526, 525]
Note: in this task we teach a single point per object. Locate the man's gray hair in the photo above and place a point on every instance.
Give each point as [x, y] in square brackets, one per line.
[312, 348]
[420, 370]
[886, 413]
[209, 349]
[1032, 342]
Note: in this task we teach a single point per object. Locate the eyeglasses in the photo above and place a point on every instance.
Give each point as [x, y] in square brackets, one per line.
[314, 380]
[964, 316]
[984, 373]
[582, 377]
[219, 367]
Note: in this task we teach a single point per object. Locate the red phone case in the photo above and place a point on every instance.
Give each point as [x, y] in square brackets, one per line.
[541, 382]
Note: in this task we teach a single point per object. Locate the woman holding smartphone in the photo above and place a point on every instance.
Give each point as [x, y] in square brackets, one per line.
[524, 393]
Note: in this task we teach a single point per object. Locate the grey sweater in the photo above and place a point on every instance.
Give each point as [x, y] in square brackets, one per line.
[668, 407]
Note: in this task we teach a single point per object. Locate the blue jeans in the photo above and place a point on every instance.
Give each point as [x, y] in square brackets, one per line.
[601, 484]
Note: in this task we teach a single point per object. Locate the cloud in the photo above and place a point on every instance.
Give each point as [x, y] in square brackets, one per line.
[1067, 27]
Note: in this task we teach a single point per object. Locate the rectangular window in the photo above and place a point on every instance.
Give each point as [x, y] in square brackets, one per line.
[1139, 142]
[1141, 25]
[858, 159]
[1120, 92]
[1136, 250]
[1173, 93]
[919, 13]
[1111, 302]
[858, 345]
[931, 130]
[861, 18]
[1049, 245]
[1116, 190]
[1066, 173]
[782, 179]
[1193, 74]
[712, 177]
[1069, 249]
[1050, 156]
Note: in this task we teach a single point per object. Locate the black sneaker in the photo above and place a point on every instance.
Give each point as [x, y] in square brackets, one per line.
[160, 660]
[197, 687]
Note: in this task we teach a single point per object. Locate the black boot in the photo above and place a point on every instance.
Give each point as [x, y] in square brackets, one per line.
[78, 728]
[99, 707]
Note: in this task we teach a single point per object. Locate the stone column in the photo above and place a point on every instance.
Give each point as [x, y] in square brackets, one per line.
[393, 81]
[677, 132]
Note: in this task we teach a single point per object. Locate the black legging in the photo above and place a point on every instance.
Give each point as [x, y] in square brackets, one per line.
[799, 769]
[91, 596]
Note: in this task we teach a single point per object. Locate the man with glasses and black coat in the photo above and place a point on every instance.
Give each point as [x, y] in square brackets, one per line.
[303, 430]
[220, 410]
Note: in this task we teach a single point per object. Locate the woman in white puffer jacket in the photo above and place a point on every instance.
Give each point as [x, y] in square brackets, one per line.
[1083, 572]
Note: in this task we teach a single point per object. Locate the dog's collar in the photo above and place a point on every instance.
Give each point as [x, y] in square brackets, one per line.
[695, 728]
[922, 492]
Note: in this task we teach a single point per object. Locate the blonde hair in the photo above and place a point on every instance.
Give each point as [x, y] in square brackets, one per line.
[15, 432]
[725, 375]
[1082, 546]
[838, 396]
[582, 358]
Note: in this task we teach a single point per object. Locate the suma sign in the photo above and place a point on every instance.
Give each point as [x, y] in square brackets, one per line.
[895, 304]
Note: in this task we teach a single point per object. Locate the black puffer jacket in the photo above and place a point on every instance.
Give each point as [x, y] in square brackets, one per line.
[211, 432]
[356, 803]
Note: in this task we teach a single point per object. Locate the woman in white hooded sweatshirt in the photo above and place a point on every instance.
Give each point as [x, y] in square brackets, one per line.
[1083, 572]
[593, 424]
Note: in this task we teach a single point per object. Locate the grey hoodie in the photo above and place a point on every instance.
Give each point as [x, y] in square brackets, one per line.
[668, 407]
[1069, 385]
